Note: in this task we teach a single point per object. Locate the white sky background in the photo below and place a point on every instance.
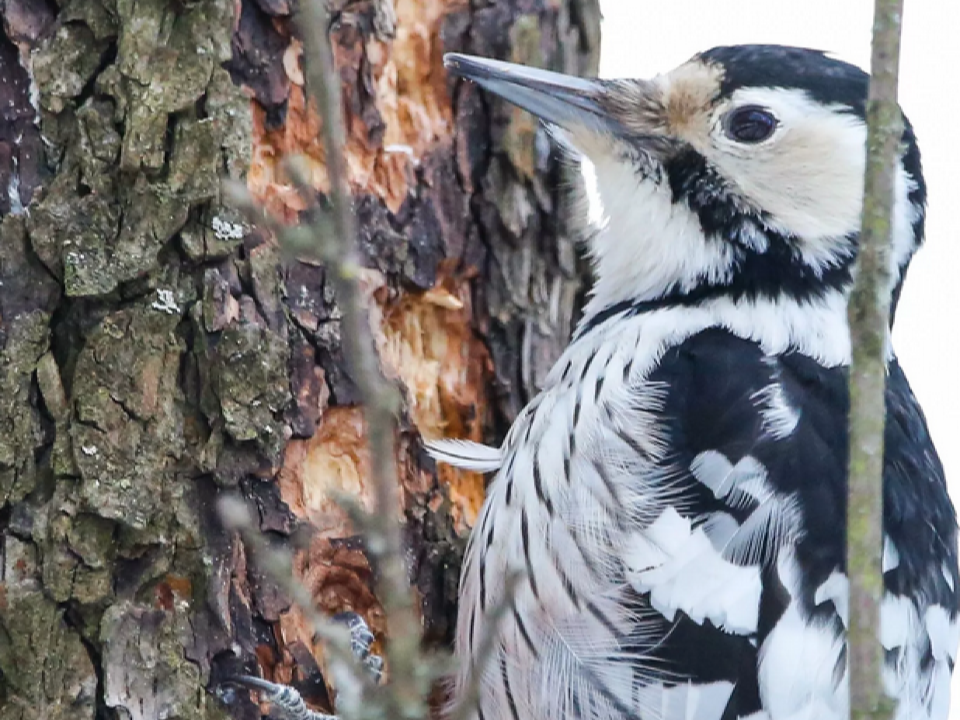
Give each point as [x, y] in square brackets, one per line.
[643, 37]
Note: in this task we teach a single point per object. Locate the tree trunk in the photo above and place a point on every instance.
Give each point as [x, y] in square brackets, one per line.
[158, 353]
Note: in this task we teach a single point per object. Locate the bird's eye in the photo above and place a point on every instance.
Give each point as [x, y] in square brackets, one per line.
[749, 124]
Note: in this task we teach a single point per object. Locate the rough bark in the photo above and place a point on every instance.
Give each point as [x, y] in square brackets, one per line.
[156, 352]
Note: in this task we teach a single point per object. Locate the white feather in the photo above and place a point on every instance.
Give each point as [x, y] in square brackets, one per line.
[465, 454]
[797, 642]
[835, 589]
[944, 633]
[686, 701]
[680, 568]
[780, 418]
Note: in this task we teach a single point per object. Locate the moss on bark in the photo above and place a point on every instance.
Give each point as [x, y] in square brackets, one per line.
[155, 352]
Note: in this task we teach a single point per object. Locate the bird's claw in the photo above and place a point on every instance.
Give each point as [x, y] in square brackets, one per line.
[361, 639]
[287, 702]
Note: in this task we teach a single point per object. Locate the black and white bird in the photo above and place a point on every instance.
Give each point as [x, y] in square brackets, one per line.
[675, 495]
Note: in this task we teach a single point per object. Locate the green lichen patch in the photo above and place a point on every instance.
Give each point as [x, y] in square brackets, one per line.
[230, 109]
[46, 670]
[268, 289]
[100, 17]
[20, 430]
[167, 58]
[64, 66]
[78, 556]
[145, 151]
[195, 161]
[99, 144]
[252, 385]
[127, 436]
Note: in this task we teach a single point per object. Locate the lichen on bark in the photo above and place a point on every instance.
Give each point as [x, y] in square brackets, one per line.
[157, 352]
[127, 427]
[97, 469]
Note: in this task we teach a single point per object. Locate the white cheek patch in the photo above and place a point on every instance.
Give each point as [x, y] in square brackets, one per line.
[808, 176]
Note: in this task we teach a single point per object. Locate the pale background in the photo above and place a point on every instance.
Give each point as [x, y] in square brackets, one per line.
[642, 37]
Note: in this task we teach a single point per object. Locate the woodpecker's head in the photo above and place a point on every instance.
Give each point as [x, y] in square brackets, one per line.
[738, 173]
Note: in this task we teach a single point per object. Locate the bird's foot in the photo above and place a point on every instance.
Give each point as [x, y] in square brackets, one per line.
[287, 703]
[361, 639]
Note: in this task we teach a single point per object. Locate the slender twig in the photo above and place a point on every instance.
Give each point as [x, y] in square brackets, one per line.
[380, 400]
[869, 312]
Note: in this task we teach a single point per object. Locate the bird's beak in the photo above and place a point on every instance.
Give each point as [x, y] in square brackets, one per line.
[564, 100]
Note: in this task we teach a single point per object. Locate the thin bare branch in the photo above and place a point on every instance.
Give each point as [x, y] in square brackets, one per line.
[869, 313]
[380, 400]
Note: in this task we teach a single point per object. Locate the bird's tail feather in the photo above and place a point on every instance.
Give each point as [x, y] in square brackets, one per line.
[466, 454]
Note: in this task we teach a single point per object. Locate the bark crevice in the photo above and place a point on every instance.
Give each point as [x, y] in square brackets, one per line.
[158, 352]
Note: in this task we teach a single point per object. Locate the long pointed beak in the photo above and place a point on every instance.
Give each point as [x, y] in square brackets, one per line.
[563, 100]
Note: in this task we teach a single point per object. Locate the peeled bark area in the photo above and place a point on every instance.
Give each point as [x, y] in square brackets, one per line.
[156, 352]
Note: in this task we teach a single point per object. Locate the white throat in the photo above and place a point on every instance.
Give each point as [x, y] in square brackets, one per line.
[646, 244]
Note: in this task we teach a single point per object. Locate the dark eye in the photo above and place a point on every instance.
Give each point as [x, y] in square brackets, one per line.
[749, 124]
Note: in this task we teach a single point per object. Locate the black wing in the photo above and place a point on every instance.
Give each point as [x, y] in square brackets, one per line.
[760, 447]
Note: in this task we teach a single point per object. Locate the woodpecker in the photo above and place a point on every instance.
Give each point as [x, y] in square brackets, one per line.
[675, 496]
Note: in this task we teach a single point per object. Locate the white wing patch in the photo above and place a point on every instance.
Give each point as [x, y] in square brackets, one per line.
[947, 574]
[797, 641]
[891, 556]
[687, 701]
[465, 454]
[944, 633]
[773, 524]
[680, 568]
[922, 691]
[835, 589]
[899, 625]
